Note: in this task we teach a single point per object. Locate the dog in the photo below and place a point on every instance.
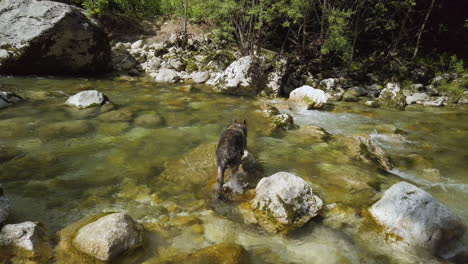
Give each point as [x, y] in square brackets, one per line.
[229, 152]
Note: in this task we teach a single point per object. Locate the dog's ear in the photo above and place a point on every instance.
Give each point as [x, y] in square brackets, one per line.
[245, 122]
[234, 121]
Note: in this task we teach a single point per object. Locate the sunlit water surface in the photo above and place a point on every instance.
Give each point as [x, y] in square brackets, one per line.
[101, 166]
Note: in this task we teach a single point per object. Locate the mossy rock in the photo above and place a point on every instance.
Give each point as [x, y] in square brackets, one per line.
[224, 253]
[120, 115]
[149, 120]
[66, 129]
[113, 129]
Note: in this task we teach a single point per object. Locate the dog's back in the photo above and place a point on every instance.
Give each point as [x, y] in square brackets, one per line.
[230, 149]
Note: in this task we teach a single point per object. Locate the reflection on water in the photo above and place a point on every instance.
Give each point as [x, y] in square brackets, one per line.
[73, 163]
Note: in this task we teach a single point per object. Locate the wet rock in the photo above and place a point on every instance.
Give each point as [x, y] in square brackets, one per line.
[125, 114]
[200, 77]
[307, 97]
[199, 167]
[284, 202]
[86, 99]
[351, 95]
[392, 96]
[463, 98]
[153, 64]
[245, 76]
[149, 120]
[417, 98]
[27, 236]
[167, 76]
[439, 101]
[4, 206]
[373, 104]
[49, 37]
[8, 98]
[283, 122]
[366, 150]
[224, 253]
[108, 236]
[66, 129]
[308, 135]
[113, 129]
[414, 215]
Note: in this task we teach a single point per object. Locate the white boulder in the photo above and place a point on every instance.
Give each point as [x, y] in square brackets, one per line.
[414, 215]
[28, 236]
[308, 97]
[86, 99]
[167, 76]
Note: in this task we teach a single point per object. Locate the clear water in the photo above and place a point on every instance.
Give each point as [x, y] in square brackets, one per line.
[61, 176]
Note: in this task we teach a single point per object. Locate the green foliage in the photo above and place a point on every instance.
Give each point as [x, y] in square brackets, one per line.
[454, 88]
[95, 7]
[337, 40]
[456, 65]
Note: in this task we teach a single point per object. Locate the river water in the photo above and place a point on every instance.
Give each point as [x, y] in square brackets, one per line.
[66, 170]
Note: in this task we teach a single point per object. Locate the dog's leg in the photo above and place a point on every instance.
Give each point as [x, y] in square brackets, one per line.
[220, 179]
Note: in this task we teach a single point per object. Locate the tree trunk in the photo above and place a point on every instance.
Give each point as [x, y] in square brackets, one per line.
[421, 30]
[185, 40]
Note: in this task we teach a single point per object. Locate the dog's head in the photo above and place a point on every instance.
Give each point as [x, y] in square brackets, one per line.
[239, 125]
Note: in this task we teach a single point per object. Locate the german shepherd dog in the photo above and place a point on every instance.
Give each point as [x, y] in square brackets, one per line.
[230, 150]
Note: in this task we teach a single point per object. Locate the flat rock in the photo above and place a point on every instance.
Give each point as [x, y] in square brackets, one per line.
[28, 236]
[86, 99]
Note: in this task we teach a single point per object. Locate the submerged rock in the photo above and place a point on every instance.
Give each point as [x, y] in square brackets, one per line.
[414, 215]
[245, 76]
[307, 97]
[149, 120]
[48, 37]
[23, 242]
[124, 114]
[284, 202]
[4, 206]
[108, 237]
[66, 129]
[199, 167]
[308, 135]
[86, 99]
[392, 96]
[8, 99]
[224, 253]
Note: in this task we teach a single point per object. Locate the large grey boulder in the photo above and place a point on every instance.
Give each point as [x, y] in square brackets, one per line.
[108, 237]
[307, 97]
[200, 77]
[86, 99]
[414, 215]
[4, 206]
[45, 37]
[245, 76]
[28, 236]
[392, 96]
[8, 99]
[284, 202]
[167, 76]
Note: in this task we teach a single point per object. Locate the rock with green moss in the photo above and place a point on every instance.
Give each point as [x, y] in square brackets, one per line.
[120, 115]
[392, 96]
[463, 98]
[24, 243]
[66, 129]
[284, 202]
[149, 120]
[306, 97]
[224, 253]
[308, 135]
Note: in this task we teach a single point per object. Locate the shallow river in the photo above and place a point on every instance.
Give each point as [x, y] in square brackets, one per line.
[101, 165]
